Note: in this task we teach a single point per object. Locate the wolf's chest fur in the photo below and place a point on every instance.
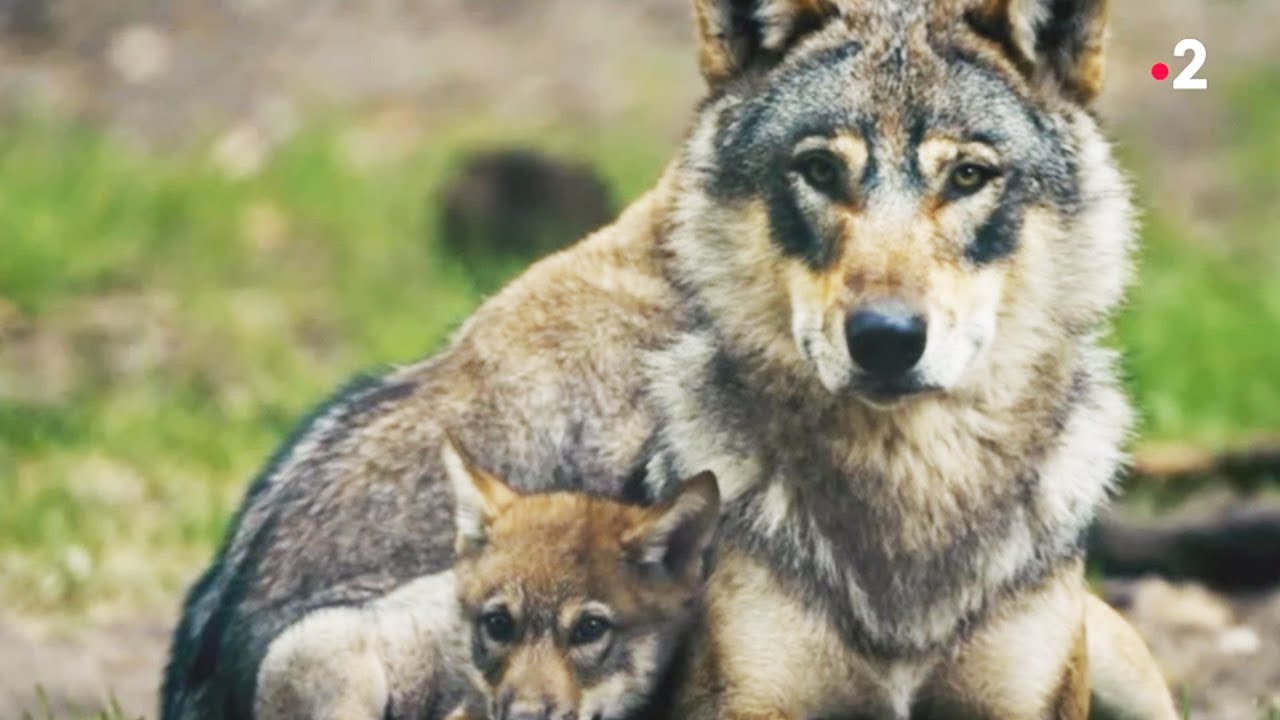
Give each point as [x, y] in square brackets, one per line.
[904, 528]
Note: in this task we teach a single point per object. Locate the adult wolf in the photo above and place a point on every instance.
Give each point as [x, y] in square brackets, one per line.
[868, 294]
[913, 208]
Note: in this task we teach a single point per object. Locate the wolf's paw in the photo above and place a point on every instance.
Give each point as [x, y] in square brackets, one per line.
[325, 667]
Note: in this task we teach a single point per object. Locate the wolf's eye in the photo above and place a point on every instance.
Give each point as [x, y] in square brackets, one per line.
[588, 629]
[499, 626]
[820, 169]
[968, 178]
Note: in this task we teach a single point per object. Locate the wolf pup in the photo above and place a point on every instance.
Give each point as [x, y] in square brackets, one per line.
[869, 293]
[577, 606]
[560, 605]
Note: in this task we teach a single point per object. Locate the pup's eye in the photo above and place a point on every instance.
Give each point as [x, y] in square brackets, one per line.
[822, 170]
[968, 178]
[589, 629]
[498, 625]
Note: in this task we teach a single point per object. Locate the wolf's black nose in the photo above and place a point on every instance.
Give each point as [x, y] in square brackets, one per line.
[886, 341]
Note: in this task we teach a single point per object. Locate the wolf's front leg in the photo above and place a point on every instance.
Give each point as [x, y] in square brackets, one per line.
[761, 653]
[1027, 662]
[1126, 681]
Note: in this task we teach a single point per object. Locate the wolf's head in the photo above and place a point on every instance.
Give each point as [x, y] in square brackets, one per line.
[575, 603]
[902, 197]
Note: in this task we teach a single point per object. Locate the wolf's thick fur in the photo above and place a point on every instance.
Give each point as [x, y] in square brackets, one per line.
[918, 535]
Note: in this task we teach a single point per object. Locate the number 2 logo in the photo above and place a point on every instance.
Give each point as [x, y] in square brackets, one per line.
[1187, 79]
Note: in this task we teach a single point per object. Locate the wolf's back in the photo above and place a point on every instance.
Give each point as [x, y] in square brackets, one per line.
[200, 660]
[541, 383]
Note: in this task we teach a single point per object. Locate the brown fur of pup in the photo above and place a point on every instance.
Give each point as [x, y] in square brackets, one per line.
[577, 606]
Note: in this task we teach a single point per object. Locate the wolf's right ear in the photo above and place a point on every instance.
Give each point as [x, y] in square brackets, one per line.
[734, 35]
[1062, 40]
[479, 496]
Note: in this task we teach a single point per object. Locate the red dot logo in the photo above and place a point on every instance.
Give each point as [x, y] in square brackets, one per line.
[1160, 71]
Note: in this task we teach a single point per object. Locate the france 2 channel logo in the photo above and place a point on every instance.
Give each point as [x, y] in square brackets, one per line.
[1186, 80]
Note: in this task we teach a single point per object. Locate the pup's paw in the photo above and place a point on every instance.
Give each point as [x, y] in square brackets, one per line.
[324, 667]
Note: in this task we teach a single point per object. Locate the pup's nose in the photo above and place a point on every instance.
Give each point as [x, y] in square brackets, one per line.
[885, 340]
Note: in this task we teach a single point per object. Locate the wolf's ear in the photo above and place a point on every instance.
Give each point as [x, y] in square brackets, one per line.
[1057, 39]
[479, 497]
[674, 536]
[734, 35]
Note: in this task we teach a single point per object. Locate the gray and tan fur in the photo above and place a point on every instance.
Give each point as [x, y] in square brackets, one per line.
[909, 529]
[355, 505]
[903, 517]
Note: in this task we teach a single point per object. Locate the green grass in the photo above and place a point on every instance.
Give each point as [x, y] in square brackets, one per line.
[1200, 340]
[256, 297]
[1202, 334]
[123, 451]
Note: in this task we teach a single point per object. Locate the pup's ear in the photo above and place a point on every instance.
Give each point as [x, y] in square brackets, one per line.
[1057, 40]
[673, 537]
[479, 497]
[734, 35]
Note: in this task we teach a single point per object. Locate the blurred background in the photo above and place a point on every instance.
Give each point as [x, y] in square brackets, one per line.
[212, 212]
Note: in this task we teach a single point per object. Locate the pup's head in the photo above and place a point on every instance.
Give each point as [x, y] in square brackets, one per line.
[883, 192]
[575, 603]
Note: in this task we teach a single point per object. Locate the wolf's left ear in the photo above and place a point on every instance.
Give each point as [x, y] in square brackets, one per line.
[674, 536]
[479, 497]
[734, 35]
[1061, 40]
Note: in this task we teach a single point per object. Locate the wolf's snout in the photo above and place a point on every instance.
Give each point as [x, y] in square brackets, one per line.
[886, 340]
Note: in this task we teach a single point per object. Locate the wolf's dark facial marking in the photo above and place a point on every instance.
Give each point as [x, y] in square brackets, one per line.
[793, 233]
[998, 236]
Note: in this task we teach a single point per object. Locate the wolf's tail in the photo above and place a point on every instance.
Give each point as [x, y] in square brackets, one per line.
[184, 694]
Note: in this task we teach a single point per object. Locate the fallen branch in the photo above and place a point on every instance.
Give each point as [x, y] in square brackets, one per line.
[1233, 548]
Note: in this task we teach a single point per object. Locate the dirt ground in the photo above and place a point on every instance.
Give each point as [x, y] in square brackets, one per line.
[205, 70]
[1221, 655]
[81, 670]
